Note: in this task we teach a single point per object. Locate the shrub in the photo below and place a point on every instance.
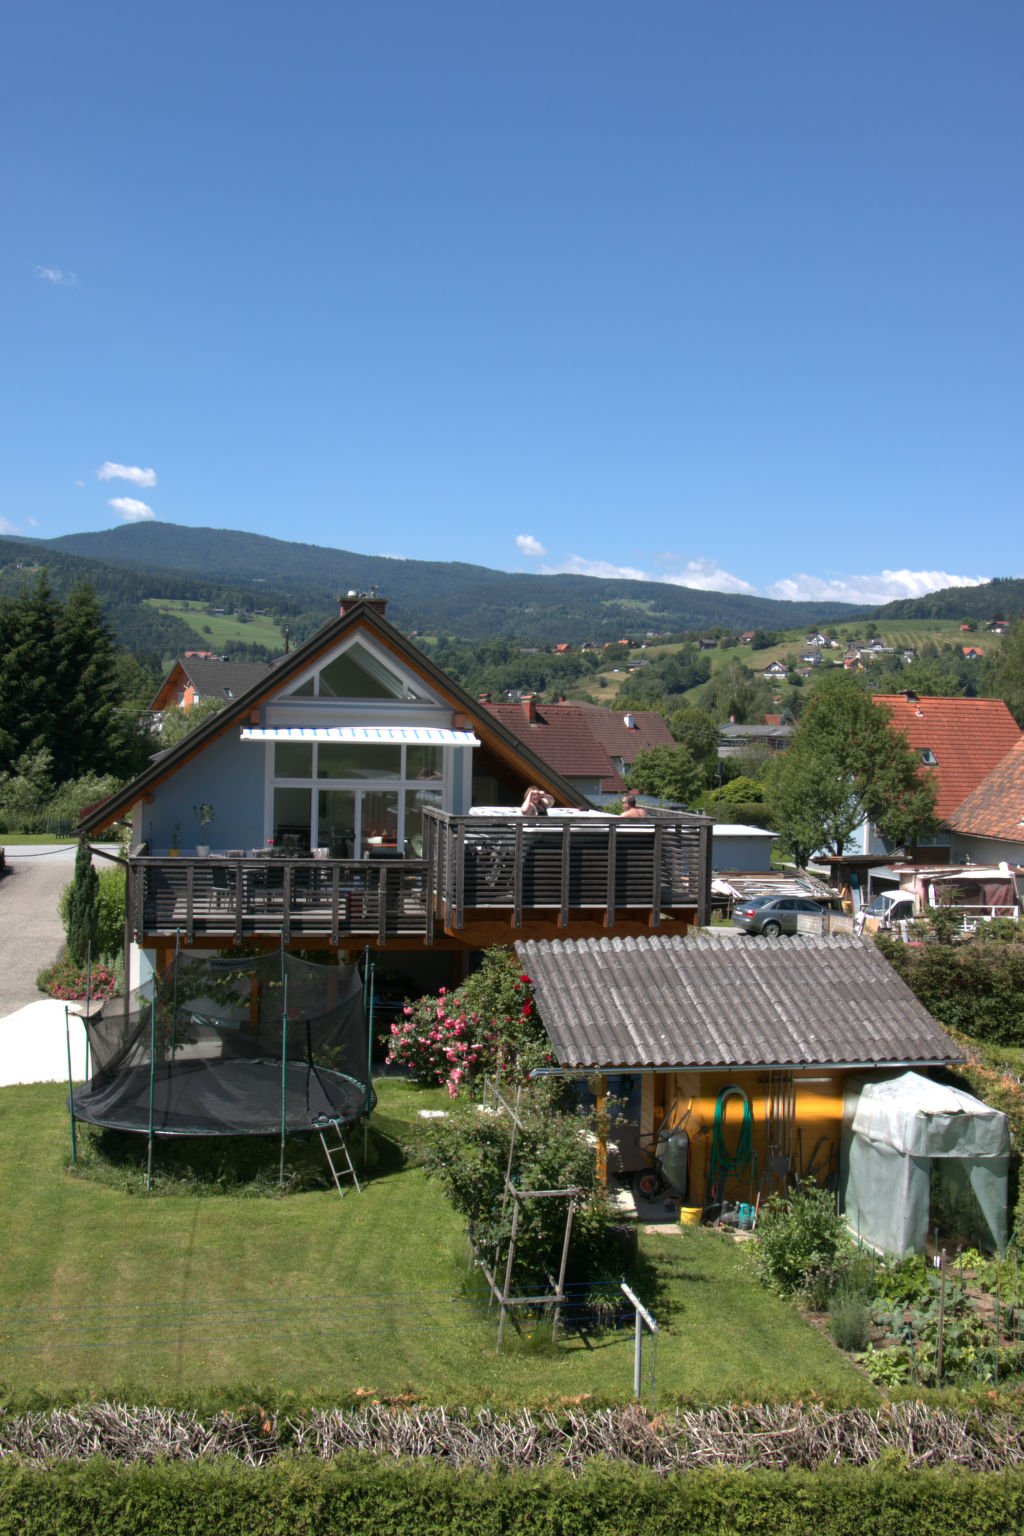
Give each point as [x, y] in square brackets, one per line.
[976, 986]
[110, 916]
[468, 1152]
[68, 981]
[849, 1320]
[803, 1245]
[72, 798]
[488, 1024]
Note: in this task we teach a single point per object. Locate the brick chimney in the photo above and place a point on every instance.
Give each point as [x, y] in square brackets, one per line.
[529, 703]
[483, 698]
[350, 599]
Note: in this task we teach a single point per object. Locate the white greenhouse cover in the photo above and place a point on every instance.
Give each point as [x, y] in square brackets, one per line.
[372, 735]
[891, 1132]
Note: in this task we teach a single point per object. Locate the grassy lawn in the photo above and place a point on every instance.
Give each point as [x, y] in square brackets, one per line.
[104, 1291]
[25, 839]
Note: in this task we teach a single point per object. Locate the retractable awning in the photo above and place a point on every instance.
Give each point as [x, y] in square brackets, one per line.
[370, 735]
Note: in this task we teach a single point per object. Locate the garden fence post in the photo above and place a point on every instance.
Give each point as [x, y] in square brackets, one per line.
[152, 1088]
[369, 1060]
[71, 1086]
[942, 1317]
[508, 1269]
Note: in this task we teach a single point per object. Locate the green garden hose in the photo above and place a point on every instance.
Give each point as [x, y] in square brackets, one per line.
[723, 1161]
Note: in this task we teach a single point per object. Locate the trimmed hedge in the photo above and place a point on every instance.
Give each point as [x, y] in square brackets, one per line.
[354, 1496]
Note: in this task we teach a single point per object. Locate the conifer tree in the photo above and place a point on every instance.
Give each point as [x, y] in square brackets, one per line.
[83, 907]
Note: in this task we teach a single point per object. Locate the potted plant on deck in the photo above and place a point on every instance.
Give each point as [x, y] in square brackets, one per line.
[204, 815]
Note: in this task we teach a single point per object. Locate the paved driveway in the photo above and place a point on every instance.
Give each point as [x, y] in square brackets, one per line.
[31, 932]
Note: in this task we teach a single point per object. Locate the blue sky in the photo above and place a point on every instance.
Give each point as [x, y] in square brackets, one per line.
[721, 294]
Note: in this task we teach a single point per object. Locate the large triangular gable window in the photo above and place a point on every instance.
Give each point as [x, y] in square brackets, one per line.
[354, 673]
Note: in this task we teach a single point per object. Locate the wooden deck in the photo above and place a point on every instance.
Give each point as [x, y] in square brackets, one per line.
[480, 876]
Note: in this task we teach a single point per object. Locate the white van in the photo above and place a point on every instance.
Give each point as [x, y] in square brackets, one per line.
[886, 910]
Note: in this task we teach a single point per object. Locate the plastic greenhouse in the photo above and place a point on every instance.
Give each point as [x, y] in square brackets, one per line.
[918, 1155]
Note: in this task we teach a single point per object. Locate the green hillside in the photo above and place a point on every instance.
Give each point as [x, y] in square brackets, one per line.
[436, 597]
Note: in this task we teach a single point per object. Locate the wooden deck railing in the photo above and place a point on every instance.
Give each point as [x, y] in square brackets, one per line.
[470, 865]
[239, 898]
[598, 863]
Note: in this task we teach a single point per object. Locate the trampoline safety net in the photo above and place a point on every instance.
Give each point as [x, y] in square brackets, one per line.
[226, 1046]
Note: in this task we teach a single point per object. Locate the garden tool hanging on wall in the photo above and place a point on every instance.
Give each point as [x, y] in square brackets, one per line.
[780, 1118]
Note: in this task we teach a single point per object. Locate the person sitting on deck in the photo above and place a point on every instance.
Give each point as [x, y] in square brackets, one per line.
[629, 805]
[536, 801]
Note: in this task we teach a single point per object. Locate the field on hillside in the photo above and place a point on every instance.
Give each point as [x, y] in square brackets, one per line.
[219, 632]
[107, 1291]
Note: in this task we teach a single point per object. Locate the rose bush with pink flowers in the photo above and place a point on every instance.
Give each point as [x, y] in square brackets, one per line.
[489, 1024]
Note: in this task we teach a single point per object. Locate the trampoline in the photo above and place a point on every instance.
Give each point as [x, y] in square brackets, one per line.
[253, 1046]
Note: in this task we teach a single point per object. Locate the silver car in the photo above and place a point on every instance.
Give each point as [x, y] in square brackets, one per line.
[772, 915]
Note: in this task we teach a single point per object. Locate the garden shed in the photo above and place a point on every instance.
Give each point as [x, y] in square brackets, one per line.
[753, 1039]
[918, 1153]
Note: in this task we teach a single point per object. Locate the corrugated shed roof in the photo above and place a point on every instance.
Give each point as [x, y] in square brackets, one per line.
[968, 737]
[701, 1001]
[995, 808]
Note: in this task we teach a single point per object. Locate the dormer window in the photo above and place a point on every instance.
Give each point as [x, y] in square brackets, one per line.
[928, 757]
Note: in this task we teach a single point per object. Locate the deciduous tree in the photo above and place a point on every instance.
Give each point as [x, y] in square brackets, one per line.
[668, 772]
[846, 762]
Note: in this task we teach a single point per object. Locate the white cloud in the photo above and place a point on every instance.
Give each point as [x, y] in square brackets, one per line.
[576, 565]
[705, 575]
[57, 277]
[6, 527]
[385, 556]
[140, 477]
[131, 510]
[886, 587]
[528, 545]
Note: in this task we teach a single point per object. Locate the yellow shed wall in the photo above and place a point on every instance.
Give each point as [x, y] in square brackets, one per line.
[818, 1112]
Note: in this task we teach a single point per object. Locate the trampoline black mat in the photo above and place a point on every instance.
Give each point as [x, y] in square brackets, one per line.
[221, 1098]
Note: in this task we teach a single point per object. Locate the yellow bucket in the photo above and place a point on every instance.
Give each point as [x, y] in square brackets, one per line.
[690, 1215]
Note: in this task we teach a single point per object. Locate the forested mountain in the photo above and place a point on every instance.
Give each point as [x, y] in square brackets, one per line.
[1000, 598]
[299, 584]
[300, 581]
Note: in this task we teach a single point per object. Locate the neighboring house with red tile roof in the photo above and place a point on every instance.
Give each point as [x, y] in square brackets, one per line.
[623, 734]
[988, 826]
[960, 741]
[593, 748]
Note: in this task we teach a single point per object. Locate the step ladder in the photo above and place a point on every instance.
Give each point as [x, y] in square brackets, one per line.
[338, 1160]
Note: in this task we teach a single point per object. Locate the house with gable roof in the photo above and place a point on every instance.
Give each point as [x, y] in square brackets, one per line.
[347, 784]
[593, 748]
[196, 677]
[959, 741]
[987, 827]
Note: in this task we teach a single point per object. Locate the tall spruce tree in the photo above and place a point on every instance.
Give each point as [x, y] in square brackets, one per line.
[87, 730]
[61, 686]
[28, 696]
